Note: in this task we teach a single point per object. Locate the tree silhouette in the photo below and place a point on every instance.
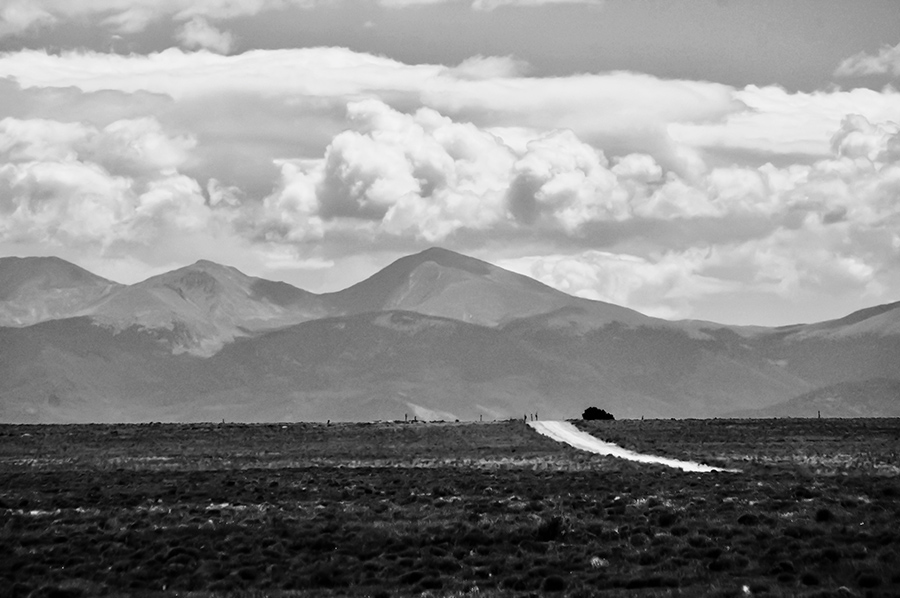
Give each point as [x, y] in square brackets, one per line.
[596, 413]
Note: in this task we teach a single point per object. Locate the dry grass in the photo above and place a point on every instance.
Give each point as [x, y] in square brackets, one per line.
[445, 510]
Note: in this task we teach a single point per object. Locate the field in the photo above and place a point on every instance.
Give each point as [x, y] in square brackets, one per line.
[449, 509]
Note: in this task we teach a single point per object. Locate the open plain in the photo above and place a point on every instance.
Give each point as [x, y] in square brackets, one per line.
[449, 509]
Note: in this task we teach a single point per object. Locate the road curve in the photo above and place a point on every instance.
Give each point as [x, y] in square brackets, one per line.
[565, 432]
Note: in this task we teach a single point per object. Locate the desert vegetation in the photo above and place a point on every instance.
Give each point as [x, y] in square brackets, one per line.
[596, 413]
[494, 509]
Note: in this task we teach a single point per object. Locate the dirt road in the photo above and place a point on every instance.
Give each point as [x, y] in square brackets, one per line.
[565, 432]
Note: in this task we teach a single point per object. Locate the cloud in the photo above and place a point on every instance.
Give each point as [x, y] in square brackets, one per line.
[887, 61]
[667, 193]
[130, 16]
[621, 112]
[198, 33]
[21, 16]
[778, 126]
[493, 4]
[565, 180]
[664, 286]
[858, 138]
[419, 174]
[490, 67]
[71, 183]
[133, 147]
[487, 5]
[427, 176]
[312, 72]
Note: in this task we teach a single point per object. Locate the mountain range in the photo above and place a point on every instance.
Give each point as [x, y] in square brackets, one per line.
[435, 335]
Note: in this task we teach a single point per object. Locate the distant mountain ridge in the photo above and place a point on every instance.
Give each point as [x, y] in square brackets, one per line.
[436, 334]
[36, 289]
[874, 397]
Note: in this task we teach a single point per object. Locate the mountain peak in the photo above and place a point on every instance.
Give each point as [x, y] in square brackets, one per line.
[440, 282]
[447, 259]
[45, 273]
[208, 265]
[35, 289]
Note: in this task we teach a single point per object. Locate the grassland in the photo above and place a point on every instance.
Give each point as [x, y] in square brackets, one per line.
[493, 509]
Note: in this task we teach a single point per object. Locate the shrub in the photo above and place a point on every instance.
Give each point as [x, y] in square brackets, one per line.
[667, 518]
[748, 519]
[868, 580]
[823, 515]
[554, 583]
[595, 413]
[638, 540]
[809, 579]
[412, 577]
[549, 529]
[431, 583]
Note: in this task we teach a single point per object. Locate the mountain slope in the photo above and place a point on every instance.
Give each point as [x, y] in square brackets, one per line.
[74, 370]
[36, 289]
[378, 365]
[436, 334]
[880, 320]
[207, 305]
[876, 397]
[368, 366]
[443, 283]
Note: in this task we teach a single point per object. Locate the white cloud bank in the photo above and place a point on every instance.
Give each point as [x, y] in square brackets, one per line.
[649, 193]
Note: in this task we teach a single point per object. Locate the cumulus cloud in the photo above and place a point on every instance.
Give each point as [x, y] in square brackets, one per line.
[664, 193]
[419, 174]
[75, 183]
[565, 180]
[132, 147]
[886, 61]
[198, 33]
[858, 138]
[426, 176]
[620, 112]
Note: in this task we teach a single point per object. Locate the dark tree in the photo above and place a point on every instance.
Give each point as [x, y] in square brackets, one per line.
[596, 413]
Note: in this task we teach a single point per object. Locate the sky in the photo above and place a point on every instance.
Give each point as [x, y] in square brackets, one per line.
[727, 160]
